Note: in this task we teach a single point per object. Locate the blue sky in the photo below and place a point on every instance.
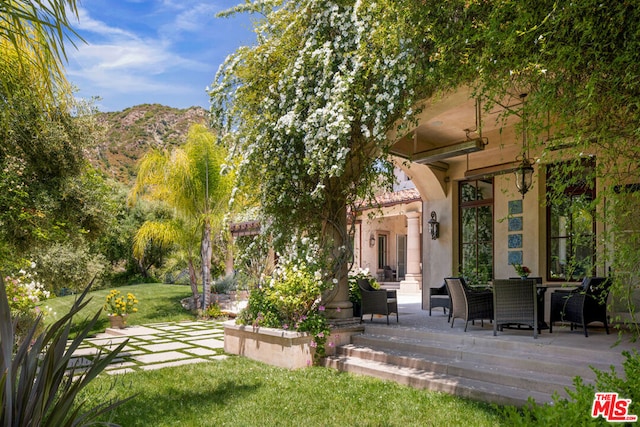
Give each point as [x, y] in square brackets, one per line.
[152, 51]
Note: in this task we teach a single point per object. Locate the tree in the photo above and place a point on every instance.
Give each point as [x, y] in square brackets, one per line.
[36, 31]
[309, 106]
[191, 181]
[307, 111]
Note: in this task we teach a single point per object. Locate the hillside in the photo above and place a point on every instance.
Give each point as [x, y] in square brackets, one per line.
[128, 134]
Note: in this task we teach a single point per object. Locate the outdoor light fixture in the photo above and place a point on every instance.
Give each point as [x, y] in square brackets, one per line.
[372, 240]
[434, 226]
[524, 172]
[524, 175]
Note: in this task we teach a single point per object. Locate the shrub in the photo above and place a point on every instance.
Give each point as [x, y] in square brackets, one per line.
[291, 300]
[23, 293]
[40, 385]
[70, 266]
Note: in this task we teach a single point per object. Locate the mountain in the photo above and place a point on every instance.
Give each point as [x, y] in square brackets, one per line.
[127, 135]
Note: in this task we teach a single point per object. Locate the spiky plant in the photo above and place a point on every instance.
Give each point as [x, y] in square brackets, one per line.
[39, 385]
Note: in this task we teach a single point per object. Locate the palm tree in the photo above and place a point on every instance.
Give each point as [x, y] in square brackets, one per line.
[191, 182]
[36, 30]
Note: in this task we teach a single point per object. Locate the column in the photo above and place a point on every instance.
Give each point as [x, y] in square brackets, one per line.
[413, 277]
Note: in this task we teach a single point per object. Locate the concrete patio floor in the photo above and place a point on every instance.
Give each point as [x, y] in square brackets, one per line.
[412, 316]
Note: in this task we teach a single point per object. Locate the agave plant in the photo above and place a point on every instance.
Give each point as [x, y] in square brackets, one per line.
[39, 386]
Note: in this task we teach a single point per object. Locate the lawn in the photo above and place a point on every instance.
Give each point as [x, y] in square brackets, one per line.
[242, 392]
[157, 303]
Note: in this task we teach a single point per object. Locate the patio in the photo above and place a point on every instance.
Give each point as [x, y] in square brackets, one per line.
[426, 352]
[412, 316]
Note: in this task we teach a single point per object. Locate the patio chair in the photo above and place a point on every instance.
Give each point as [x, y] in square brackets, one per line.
[377, 301]
[515, 302]
[582, 305]
[389, 274]
[439, 297]
[468, 304]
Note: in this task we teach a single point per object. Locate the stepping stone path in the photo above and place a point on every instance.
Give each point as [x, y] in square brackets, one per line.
[155, 346]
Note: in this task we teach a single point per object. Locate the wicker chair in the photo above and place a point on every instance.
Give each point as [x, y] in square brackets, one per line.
[582, 305]
[515, 302]
[468, 304]
[377, 301]
[439, 297]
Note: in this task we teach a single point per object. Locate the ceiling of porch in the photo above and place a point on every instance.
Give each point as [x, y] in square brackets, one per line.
[456, 124]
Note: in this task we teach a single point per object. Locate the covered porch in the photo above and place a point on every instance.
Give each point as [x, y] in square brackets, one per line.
[426, 352]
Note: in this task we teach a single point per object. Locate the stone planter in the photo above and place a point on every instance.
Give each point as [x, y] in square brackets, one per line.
[277, 347]
[117, 321]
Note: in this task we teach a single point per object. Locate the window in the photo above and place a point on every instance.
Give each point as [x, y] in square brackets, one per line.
[570, 221]
[476, 229]
[382, 251]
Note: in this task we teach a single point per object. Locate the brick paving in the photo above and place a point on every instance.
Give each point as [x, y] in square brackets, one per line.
[156, 346]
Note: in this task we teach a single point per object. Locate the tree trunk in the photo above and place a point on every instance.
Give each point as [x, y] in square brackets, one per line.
[193, 280]
[205, 254]
[338, 305]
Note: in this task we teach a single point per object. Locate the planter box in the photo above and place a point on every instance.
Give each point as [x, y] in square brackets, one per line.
[286, 349]
[277, 347]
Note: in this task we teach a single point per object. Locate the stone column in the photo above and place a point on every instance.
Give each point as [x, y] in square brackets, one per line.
[413, 277]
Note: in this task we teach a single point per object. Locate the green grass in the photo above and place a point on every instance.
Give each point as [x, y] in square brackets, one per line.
[157, 303]
[241, 392]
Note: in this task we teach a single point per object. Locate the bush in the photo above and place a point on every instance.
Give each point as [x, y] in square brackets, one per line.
[23, 295]
[70, 266]
[291, 300]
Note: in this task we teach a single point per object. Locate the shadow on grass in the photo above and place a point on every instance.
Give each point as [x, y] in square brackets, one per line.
[173, 402]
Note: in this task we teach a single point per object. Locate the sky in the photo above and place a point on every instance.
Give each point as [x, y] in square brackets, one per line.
[152, 51]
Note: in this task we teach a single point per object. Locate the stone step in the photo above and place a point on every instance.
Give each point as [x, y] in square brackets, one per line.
[521, 348]
[489, 373]
[459, 386]
[486, 356]
[482, 368]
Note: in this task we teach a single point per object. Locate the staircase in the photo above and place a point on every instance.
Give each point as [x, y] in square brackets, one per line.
[501, 371]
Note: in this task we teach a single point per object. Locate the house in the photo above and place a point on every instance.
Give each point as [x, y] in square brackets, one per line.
[387, 237]
[467, 166]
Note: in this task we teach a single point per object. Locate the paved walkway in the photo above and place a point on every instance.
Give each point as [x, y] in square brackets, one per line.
[156, 346]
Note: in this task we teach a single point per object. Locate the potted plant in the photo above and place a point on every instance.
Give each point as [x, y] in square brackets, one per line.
[118, 307]
[522, 270]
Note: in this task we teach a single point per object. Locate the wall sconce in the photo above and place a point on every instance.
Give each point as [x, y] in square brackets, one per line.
[372, 240]
[434, 226]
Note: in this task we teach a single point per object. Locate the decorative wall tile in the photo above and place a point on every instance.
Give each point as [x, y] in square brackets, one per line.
[515, 257]
[515, 241]
[515, 207]
[515, 223]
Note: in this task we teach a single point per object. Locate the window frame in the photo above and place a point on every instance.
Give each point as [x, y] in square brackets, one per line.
[476, 204]
[570, 192]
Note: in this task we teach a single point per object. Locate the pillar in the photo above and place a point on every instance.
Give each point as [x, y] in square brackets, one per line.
[413, 277]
